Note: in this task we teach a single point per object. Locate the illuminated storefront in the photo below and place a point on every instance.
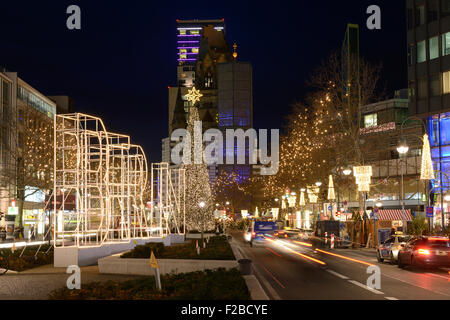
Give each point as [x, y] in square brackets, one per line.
[439, 133]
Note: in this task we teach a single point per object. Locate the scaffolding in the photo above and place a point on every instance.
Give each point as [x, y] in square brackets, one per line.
[108, 178]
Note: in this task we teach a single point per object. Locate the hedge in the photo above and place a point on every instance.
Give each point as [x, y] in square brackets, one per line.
[219, 284]
[218, 248]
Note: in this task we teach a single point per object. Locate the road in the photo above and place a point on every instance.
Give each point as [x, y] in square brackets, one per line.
[290, 270]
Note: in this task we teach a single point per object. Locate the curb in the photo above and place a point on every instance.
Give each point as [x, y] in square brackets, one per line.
[253, 285]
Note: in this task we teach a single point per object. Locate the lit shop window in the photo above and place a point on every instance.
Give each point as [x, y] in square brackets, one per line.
[446, 44]
[434, 48]
[370, 120]
[421, 51]
[446, 82]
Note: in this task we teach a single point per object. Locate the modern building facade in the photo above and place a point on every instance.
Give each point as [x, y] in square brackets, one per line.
[30, 121]
[235, 106]
[189, 34]
[428, 36]
[7, 146]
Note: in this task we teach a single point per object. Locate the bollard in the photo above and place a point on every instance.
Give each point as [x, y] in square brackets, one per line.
[332, 241]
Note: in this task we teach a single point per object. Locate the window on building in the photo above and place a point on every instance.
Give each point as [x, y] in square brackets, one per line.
[20, 116]
[410, 19]
[195, 50]
[370, 120]
[411, 55]
[411, 89]
[446, 44]
[421, 51]
[420, 15]
[434, 47]
[445, 8]
[435, 85]
[415, 152]
[432, 11]
[195, 32]
[446, 82]
[183, 31]
[422, 90]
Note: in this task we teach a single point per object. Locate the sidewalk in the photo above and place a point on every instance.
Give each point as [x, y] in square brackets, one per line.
[36, 284]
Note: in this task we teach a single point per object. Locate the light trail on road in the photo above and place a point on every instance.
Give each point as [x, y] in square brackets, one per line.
[274, 252]
[303, 243]
[297, 253]
[344, 257]
[274, 278]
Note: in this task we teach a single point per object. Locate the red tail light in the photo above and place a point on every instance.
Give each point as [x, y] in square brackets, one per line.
[253, 234]
[424, 252]
[438, 239]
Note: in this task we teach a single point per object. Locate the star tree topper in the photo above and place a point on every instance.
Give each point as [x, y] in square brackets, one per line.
[194, 95]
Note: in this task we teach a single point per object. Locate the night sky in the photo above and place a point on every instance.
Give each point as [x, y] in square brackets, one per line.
[119, 65]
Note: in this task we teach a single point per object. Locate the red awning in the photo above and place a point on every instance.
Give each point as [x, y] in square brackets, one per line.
[394, 215]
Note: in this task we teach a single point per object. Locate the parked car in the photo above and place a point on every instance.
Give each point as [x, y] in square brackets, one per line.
[388, 250]
[425, 252]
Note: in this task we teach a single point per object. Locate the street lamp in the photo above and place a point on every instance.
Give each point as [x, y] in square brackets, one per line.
[276, 199]
[318, 183]
[202, 204]
[379, 204]
[347, 171]
[403, 147]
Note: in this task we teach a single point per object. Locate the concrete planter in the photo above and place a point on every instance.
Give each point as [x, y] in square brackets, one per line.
[199, 235]
[85, 256]
[115, 265]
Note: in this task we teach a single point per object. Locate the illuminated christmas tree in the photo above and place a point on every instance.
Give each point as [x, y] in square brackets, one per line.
[199, 203]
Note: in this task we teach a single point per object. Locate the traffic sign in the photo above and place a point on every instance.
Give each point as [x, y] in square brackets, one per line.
[429, 212]
[153, 262]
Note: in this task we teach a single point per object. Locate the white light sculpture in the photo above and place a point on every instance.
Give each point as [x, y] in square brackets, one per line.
[106, 176]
